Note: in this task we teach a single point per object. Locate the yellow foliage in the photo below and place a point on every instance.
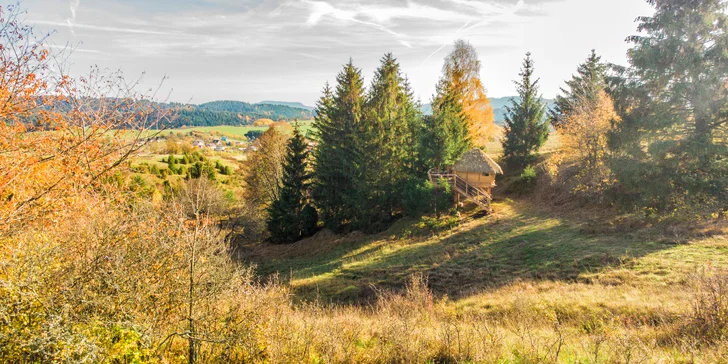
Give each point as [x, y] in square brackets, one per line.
[584, 136]
[263, 122]
[461, 74]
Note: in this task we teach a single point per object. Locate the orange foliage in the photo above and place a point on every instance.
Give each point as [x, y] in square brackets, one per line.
[461, 74]
[59, 137]
[585, 130]
[581, 159]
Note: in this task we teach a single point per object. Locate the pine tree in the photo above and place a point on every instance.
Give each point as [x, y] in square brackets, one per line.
[339, 187]
[391, 118]
[584, 87]
[526, 129]
[286, 213]
[670, 145]
[446, 135]
[172, 164]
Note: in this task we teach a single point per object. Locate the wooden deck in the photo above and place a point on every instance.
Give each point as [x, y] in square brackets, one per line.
[462, 188]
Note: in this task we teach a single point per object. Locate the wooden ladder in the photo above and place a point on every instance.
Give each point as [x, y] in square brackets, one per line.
[463, 188]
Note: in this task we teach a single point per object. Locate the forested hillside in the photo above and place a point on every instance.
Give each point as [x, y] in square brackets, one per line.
[257, 111]
[296, 105]
[232, 113]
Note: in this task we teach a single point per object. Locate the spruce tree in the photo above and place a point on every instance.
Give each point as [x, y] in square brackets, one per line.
[670, 145]
[339, 188]
[286, 214]
[526, 128]
[391, 118]
[584, 87]
[446, 135]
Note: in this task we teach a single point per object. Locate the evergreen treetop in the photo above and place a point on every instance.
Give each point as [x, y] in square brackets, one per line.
[584, 86]
[526, 129]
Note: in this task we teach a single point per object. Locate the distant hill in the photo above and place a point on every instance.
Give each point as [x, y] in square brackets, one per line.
[498, 103]
[271, 111]
[229, 112]
[296, 105]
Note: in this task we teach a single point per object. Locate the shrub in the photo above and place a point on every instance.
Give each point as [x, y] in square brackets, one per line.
[200, 169]
[709, 321]
[417, 195]
[309, 220]
[423, 197]
[525, 183]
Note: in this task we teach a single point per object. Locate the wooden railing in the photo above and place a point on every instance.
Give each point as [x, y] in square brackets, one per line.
[480, 197]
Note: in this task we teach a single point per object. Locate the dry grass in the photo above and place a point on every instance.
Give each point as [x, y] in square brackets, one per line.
[527, 284]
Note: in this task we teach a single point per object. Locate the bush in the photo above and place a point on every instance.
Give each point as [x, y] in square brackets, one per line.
[525, 183]
[423, 197]
[528, 175]
[309, 220]
[417, 196]
[709, 321]
[200, 169]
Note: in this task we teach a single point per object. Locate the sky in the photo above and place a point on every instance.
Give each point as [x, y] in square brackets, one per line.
[286, 50]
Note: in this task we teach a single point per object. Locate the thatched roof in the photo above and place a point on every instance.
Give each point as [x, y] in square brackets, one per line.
[476, 161]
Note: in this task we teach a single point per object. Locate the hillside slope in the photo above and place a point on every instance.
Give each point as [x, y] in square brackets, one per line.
[296, 105]
[520, 242]
[525, 285]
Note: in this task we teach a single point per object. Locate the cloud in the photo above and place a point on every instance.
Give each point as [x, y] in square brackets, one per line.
[321, 9]
[72, 20]
[104, 28]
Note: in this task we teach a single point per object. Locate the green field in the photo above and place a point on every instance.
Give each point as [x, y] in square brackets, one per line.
[520, 242]
[232, 131]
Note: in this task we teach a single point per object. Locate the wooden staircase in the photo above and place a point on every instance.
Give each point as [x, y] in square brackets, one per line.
[463, 188]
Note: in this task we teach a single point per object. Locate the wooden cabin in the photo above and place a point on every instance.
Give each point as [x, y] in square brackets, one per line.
[472, 177]
[478, 169]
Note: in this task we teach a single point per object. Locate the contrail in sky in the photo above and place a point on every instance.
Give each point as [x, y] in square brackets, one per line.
[72, 20]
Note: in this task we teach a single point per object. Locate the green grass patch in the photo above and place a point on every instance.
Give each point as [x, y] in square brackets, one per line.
[518, 243]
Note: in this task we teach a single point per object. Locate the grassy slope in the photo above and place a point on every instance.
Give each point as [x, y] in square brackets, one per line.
[520, 243]
[619, 292]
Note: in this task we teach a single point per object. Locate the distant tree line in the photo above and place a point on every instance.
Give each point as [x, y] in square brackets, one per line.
[176, 115]
[218, 113]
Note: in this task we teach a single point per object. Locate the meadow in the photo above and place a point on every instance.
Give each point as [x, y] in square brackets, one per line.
[527, 284]
[228, 130]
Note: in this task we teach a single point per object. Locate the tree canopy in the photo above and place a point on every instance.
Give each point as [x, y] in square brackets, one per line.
[461, 80]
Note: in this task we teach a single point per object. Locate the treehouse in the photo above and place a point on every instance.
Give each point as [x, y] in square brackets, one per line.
[472, 177]
[477, 169]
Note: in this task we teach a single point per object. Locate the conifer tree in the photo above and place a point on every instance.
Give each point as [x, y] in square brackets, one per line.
[286, 213]
[584, 87]
[526, 128]
[391, 118]
[671, 143]
[338, 189]
[446, 133]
